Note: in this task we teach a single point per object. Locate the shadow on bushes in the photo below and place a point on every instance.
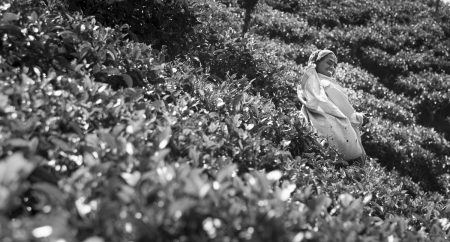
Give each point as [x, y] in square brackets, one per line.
[159, 23]
[229, 58]
[412, 161]
[436, 117]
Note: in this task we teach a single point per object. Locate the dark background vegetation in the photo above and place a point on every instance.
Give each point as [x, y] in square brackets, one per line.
[178, 121]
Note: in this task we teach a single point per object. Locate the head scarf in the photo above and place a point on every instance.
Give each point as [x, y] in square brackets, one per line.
[318, 55]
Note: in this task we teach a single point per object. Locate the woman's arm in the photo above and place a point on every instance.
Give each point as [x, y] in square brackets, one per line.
[340, 99]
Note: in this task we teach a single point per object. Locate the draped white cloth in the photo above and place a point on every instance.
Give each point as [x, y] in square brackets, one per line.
[327, 108]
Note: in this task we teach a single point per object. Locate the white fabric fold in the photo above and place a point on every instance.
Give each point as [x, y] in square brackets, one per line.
[326, 106]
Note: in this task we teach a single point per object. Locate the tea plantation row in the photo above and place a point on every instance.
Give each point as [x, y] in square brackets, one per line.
[381, 37]
[105, 138]
[424, 155]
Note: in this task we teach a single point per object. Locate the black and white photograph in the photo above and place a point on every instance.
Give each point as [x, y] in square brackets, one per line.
[224, 120]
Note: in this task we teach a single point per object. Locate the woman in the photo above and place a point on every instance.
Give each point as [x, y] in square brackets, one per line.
[327, 108]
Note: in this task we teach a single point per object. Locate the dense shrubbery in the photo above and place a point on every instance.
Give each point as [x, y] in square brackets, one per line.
[396, 107]
[277, 24]
[104, 139]
[418, 152]
[381, 37]
[429, 89]
[389, 50]
[153, 22]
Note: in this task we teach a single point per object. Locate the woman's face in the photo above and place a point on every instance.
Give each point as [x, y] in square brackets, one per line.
[327, 65]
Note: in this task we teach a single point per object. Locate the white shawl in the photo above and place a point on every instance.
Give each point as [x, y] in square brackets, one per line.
[327, 108]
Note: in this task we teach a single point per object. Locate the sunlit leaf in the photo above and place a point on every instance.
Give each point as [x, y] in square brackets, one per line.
[159, 155]
[367, 198]
[42, 232]
[131, 178]
[345, 199]
[89, 159]
[274, 175]
[286, 190]
[94, 239]
[163, 137]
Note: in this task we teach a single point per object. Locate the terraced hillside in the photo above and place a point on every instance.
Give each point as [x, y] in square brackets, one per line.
[178, 121]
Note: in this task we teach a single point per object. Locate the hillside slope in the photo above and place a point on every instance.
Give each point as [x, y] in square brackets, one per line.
[398, 54]
[173, 126]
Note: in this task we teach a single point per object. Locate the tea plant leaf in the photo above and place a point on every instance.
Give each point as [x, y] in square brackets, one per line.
[159, 155]
[63, 145]
[163, 138]
[8, 17]
[13, 168]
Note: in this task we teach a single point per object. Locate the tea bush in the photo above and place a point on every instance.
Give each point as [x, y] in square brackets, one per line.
[390, 105]
[415, 85]
[428, 89]
[153, 22]
[338, 13]
[223, 50]
[277, 24]
[104, 138]
[381, 38]
[438, 115]
[409, 150]
[372, 47]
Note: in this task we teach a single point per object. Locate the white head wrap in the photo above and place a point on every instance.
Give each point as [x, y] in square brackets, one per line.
[318, 55]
